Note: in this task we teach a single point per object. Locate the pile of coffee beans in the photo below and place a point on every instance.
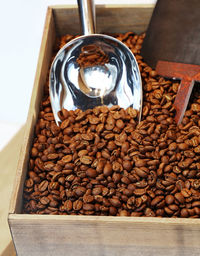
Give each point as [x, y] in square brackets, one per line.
[102, 162]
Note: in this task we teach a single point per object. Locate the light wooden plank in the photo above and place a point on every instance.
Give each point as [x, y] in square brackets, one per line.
[109, 18]
[91, 235]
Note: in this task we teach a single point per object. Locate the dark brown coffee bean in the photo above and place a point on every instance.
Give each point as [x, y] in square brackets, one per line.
[125, 147]
[67, 159]
[184, 213]
[97, 191]
[123, 213]
[120, 124]
[173, 146]
[140, 163]
[125, 180]
[186, 192]
[107, 169]
[43, 185]
[180, 198]
[44, 200]
[139, 191]
[67, 205]
[142, 172]
[116, 177]
[115, 202]
[77, 205]
[88, 198]
[157, 200]
[127, 165]
[173, 207]
[92, 173]
[80, 191]
[112, 210]
[169, 199]
[149, 213]
[86, 159]
[89, 136]
[183, 146]
[88, 207]
[116, 166]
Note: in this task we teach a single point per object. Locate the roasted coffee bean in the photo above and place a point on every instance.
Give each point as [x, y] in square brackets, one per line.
[157, 200]
[116, 177]
[107, 169]
[77, 205]
[115, 202]
[80, 191]
[127, 165]
[186, 192]
[184, 213]
[142, 172]
[67, 205]
[43, 186]
[92, 173]
[180, 198]
[88, 207]
[169, 199]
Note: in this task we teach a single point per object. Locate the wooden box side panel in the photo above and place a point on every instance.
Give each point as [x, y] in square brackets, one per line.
[97, 236]
[40, 79]
[109, 19]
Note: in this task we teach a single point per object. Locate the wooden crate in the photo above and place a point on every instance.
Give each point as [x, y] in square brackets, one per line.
[91, 235]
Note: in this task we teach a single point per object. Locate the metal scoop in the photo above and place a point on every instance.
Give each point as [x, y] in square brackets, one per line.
[94, 70]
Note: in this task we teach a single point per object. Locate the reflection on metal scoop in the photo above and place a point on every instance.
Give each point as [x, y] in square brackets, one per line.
[94, 70]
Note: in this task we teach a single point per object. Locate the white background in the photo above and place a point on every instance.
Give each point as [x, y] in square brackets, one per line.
[21, 28]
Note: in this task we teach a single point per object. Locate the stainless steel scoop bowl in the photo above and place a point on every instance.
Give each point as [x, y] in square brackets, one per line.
[93, 70]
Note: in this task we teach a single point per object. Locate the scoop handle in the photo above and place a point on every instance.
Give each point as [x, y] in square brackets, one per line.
[87, 16]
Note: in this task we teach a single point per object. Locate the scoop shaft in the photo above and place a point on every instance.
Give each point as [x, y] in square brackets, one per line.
[87, 16]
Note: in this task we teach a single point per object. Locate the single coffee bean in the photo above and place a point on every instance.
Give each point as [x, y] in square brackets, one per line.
[107, 171]
[88, 207]
[140, 163]
[157, 200]
[88, 198]
[80, 191]
[180, 198]
[183, 146]
[92, 173]
[116, 177]
[67, 205]
[186, 192]
[124, 213]
[86, 159]
[142, 172]
[127, 165]
[184, 213]
[97, 191]
[115, 202]
[67, 159]
[77, 205]
[169, 199]
[112, 210]
[43, 185]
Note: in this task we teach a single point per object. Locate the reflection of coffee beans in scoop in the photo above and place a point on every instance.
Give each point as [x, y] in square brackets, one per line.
[92, 55]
